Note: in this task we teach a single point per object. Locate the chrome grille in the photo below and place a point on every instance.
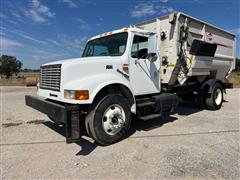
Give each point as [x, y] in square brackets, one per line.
[50, 77]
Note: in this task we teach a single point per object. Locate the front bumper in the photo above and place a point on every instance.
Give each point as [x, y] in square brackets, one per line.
[68, 114]
[54, 110]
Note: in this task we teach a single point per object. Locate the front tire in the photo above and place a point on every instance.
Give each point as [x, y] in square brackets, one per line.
[215, 99]
[109, 119]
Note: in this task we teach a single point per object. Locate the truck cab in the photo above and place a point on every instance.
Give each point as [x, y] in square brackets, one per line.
[115, 67]
[117, 57]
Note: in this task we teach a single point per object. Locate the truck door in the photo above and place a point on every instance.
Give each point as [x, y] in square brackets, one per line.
[144, 75]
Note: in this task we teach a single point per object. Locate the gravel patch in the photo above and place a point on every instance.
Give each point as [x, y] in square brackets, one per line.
[190, 144]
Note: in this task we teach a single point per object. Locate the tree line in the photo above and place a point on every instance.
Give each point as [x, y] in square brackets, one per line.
[10, 65]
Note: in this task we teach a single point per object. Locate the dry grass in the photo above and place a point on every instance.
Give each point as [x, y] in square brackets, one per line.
[235, 79]
[28, 81]
[21, 79]
[12, 82]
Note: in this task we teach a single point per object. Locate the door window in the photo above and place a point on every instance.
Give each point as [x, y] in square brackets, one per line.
[139, 47]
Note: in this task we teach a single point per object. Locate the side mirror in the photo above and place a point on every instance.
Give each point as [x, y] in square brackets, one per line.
[152, 47]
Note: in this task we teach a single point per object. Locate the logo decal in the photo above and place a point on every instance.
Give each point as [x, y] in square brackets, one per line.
[210, 36]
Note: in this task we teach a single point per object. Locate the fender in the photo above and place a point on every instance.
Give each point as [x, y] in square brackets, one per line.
[95, 83]
[207, 86]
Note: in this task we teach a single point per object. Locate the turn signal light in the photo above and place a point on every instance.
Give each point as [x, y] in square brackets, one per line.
[125, 68]
[82, 95]
[76, 94]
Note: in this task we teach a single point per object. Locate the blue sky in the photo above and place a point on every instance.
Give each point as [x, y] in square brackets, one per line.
[39, 31]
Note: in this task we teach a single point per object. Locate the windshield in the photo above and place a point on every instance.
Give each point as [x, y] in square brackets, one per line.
[113, 45]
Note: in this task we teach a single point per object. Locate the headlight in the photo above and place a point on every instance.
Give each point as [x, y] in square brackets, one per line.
[76, 94]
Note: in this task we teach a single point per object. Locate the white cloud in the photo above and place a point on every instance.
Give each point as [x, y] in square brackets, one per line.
[39, 12]
[80, 20]
[33, 39]
[25, 35]
[68, 44]
[54, 42]
[236, 31]
[157, 1]
[3, 16]
[46, 55]
[143, 9]
[17, 13]
[80, 42]
[83, 24]
[100, 19]
[74, 44]
[197, 1]
[7, 19]
[164, 9]
[151, 8]
[70, 3]
[5, 42]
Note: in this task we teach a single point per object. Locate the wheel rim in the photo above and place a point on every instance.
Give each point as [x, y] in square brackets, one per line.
[218, 96]
[113, 119]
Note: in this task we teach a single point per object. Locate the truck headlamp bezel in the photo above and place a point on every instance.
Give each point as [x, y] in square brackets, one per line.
[76, 94]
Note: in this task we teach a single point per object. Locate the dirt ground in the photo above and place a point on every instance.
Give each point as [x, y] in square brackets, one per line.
[191, 143]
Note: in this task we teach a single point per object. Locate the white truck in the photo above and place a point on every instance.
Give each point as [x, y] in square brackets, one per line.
[136, 71]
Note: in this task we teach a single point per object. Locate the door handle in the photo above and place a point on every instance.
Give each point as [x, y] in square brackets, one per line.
[137, 61]
[109, 66]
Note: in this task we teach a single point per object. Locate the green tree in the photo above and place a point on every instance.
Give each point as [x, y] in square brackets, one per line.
[9, 65]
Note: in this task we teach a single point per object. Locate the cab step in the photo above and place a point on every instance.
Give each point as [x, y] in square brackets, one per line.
[150, 117]
[143, 99]
[147, 103]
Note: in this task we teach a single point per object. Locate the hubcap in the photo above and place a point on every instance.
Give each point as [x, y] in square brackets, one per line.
[113, 119]
[218, 96]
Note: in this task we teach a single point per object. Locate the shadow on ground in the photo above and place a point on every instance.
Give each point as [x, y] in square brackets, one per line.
[183, 109]
[86, 146]
[137, 125]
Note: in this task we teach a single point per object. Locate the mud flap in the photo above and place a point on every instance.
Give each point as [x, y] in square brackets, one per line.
[72, 125]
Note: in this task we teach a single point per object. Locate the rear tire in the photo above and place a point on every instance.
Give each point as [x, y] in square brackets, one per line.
[215, 99]
[109, 119]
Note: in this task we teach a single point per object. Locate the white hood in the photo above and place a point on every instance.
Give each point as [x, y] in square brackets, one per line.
[83, 59]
